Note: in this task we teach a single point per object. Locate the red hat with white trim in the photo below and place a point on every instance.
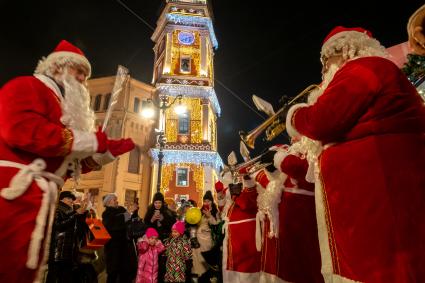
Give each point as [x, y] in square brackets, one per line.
[64, 52]
[355, 38]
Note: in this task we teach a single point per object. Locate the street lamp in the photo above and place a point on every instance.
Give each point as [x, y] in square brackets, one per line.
[148, 111]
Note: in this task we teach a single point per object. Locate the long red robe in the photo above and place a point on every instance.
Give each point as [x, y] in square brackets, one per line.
[30, 128]
[241, 260]
[370, 196]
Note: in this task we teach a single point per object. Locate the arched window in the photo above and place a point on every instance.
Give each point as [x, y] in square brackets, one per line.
[97, 101]
[184, 124]
[134, 161]
[136, 105]
[106, 102]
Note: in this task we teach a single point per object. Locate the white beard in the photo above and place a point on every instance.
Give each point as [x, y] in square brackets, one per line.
[76, 111]
[327, 78]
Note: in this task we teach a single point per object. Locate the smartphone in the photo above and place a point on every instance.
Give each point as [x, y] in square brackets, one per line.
[206, 207]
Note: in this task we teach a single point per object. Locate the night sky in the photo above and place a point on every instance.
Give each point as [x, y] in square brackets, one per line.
[265, 48]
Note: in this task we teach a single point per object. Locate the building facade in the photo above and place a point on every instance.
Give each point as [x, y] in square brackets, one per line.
[129, 175]
[184, 52]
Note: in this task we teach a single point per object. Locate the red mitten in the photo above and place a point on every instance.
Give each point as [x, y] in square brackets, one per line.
[102, 141]
[118, 147]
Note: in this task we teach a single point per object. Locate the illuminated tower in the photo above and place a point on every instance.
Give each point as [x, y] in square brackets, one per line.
[184, 49]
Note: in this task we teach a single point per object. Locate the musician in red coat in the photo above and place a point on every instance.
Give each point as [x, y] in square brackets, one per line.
[241, 260]
[370, 181]
[46, 134]
[295, 250]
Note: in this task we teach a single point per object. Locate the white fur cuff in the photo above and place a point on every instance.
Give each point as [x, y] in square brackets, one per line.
[292, 132]
[84, 145]
[248, 183]
[278, 159]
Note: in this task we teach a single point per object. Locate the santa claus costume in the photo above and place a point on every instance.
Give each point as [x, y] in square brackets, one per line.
[42, 137]
[241, 260]
[370, 181]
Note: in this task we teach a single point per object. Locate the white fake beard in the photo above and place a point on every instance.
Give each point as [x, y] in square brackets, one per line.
[327, 78]
[76, 111]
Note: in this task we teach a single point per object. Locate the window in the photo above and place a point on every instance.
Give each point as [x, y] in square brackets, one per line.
[184, 124]
[106, 102]
[136, 104]
[182, 177]
[134, 161]
[185, 64]
[130, 197]
[97, 101]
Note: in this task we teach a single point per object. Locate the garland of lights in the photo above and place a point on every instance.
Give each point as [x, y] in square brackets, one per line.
[192, 92]
[414, 69]
[211, 158]
[194, 21]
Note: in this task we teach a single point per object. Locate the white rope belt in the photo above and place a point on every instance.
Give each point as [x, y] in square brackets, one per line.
[298, 191]
[47, 182]
[241, 221]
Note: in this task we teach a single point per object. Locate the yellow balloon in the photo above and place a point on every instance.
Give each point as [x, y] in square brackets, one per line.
[193, 215]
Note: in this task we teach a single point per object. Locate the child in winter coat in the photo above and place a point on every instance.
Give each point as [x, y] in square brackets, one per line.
[149, 247]
[177, 251]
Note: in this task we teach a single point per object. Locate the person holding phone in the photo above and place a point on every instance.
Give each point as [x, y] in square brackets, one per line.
[210, 216]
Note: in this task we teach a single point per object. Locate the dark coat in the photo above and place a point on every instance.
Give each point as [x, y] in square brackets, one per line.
[120, 252]
[65, 234]
[163, 227]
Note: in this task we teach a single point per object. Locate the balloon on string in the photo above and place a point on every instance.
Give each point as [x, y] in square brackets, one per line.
[193, 215]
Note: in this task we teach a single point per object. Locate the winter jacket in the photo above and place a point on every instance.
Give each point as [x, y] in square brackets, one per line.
[120, 253]
[64, 243]
[147, 271]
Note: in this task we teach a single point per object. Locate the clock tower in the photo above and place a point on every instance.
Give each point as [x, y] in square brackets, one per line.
[184, 52]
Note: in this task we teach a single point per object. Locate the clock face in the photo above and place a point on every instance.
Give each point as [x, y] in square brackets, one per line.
[186, 38]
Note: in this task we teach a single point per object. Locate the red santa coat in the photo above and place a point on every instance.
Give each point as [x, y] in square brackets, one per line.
[241, 260]
[30, 128]
[370, 196]
[298, 259]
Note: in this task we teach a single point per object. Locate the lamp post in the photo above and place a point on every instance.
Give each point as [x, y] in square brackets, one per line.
[148, 112]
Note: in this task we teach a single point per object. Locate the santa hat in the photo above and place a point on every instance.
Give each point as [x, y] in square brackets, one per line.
[151, 232]
[219, 186]
[179, 227]
[351, 43]
[64, 53]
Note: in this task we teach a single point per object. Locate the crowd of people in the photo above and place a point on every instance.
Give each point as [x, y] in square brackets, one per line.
[343, 202]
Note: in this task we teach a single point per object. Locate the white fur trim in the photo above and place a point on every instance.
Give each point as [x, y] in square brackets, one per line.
[259, 229]
[292, 132]
[329, 44]
[61, 58]
[248, 183]
[50, 84]
[240, 277]
[325, 252]
[271, 278]
[278, 159]
[103, 158]
[298, 191]
[84, 145]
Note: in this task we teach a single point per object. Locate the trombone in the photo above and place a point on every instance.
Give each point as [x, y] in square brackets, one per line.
[275, 124]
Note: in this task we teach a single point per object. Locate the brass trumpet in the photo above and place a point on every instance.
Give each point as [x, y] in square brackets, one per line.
[275, 124]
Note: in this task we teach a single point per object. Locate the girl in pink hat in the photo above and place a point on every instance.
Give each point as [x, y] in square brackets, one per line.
[178, 251]
[149, 247]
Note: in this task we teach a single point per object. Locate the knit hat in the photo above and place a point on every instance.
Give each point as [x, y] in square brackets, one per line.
[208, 195]
[158, 196]
[107, 198]
[67, 194]
[179, 227]
[64, 53]
[151, 232]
